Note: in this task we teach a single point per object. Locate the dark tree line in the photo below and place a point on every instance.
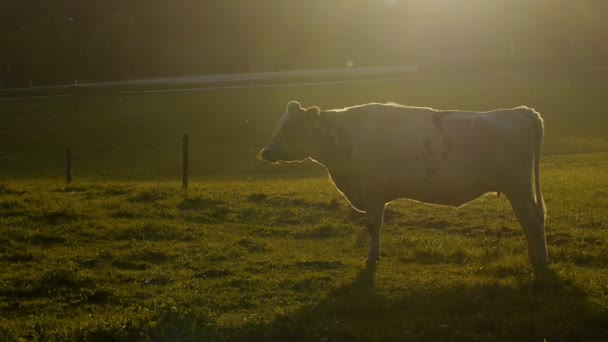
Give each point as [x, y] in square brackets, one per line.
[58, 41]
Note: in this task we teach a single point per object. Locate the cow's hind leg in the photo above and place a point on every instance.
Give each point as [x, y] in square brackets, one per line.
[532, 222]
[374, 217]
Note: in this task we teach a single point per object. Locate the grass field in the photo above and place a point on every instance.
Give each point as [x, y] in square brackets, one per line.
[254, 252]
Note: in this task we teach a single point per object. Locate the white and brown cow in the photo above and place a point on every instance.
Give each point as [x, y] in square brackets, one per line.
[376, 153]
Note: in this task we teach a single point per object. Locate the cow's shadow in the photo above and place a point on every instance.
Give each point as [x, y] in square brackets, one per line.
[550, 308]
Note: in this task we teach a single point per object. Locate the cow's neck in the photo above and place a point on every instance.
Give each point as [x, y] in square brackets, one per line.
[333, 149]
[329, 147]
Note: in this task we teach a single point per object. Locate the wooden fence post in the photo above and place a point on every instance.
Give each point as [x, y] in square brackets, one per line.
[185, 162]
[68, 165]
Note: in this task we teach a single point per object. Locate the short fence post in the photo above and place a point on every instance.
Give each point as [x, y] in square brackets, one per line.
[68, 165]
[185, 162]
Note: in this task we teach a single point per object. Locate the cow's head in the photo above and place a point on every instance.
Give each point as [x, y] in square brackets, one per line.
[292, 140]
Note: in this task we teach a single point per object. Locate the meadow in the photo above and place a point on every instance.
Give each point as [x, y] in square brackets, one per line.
[252, 251]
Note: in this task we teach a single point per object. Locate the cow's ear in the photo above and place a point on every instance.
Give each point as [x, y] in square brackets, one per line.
[293, 106]
[313, 111]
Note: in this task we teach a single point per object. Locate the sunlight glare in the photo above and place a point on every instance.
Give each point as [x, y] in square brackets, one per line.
[390, 3]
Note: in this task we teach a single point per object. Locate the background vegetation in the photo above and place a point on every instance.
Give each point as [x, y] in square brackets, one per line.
[139, 135]
[58, 41]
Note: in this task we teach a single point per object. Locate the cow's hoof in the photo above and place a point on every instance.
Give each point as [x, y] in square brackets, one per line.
[547, 279]
[541, 266]
[372, 262]
[543, 271]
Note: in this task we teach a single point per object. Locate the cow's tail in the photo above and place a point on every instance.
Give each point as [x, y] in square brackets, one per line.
[538, 141]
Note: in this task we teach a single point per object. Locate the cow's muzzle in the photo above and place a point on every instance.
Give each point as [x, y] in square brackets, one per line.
[268, 155]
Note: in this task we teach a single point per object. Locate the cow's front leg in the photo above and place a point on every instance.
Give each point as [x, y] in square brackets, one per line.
[374, 218]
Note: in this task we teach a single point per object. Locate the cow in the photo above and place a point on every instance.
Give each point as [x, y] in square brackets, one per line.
[378, 152]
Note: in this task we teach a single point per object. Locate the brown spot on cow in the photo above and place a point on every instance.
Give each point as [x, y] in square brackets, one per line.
[444, 155]
[428, 148]
[430, 172]
[448, 143]
[438, 118]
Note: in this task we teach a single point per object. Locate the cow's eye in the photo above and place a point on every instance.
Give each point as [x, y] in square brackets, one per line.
[294, 134]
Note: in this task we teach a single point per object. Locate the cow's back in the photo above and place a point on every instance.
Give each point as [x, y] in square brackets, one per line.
[442, 157]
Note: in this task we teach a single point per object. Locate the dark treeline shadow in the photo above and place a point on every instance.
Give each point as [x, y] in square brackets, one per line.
[50, 42]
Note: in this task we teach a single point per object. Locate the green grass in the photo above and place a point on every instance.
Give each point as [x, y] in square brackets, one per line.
[258, 252]
[283, 259]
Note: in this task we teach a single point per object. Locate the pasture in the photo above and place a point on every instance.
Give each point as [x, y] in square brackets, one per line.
[259, 252]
